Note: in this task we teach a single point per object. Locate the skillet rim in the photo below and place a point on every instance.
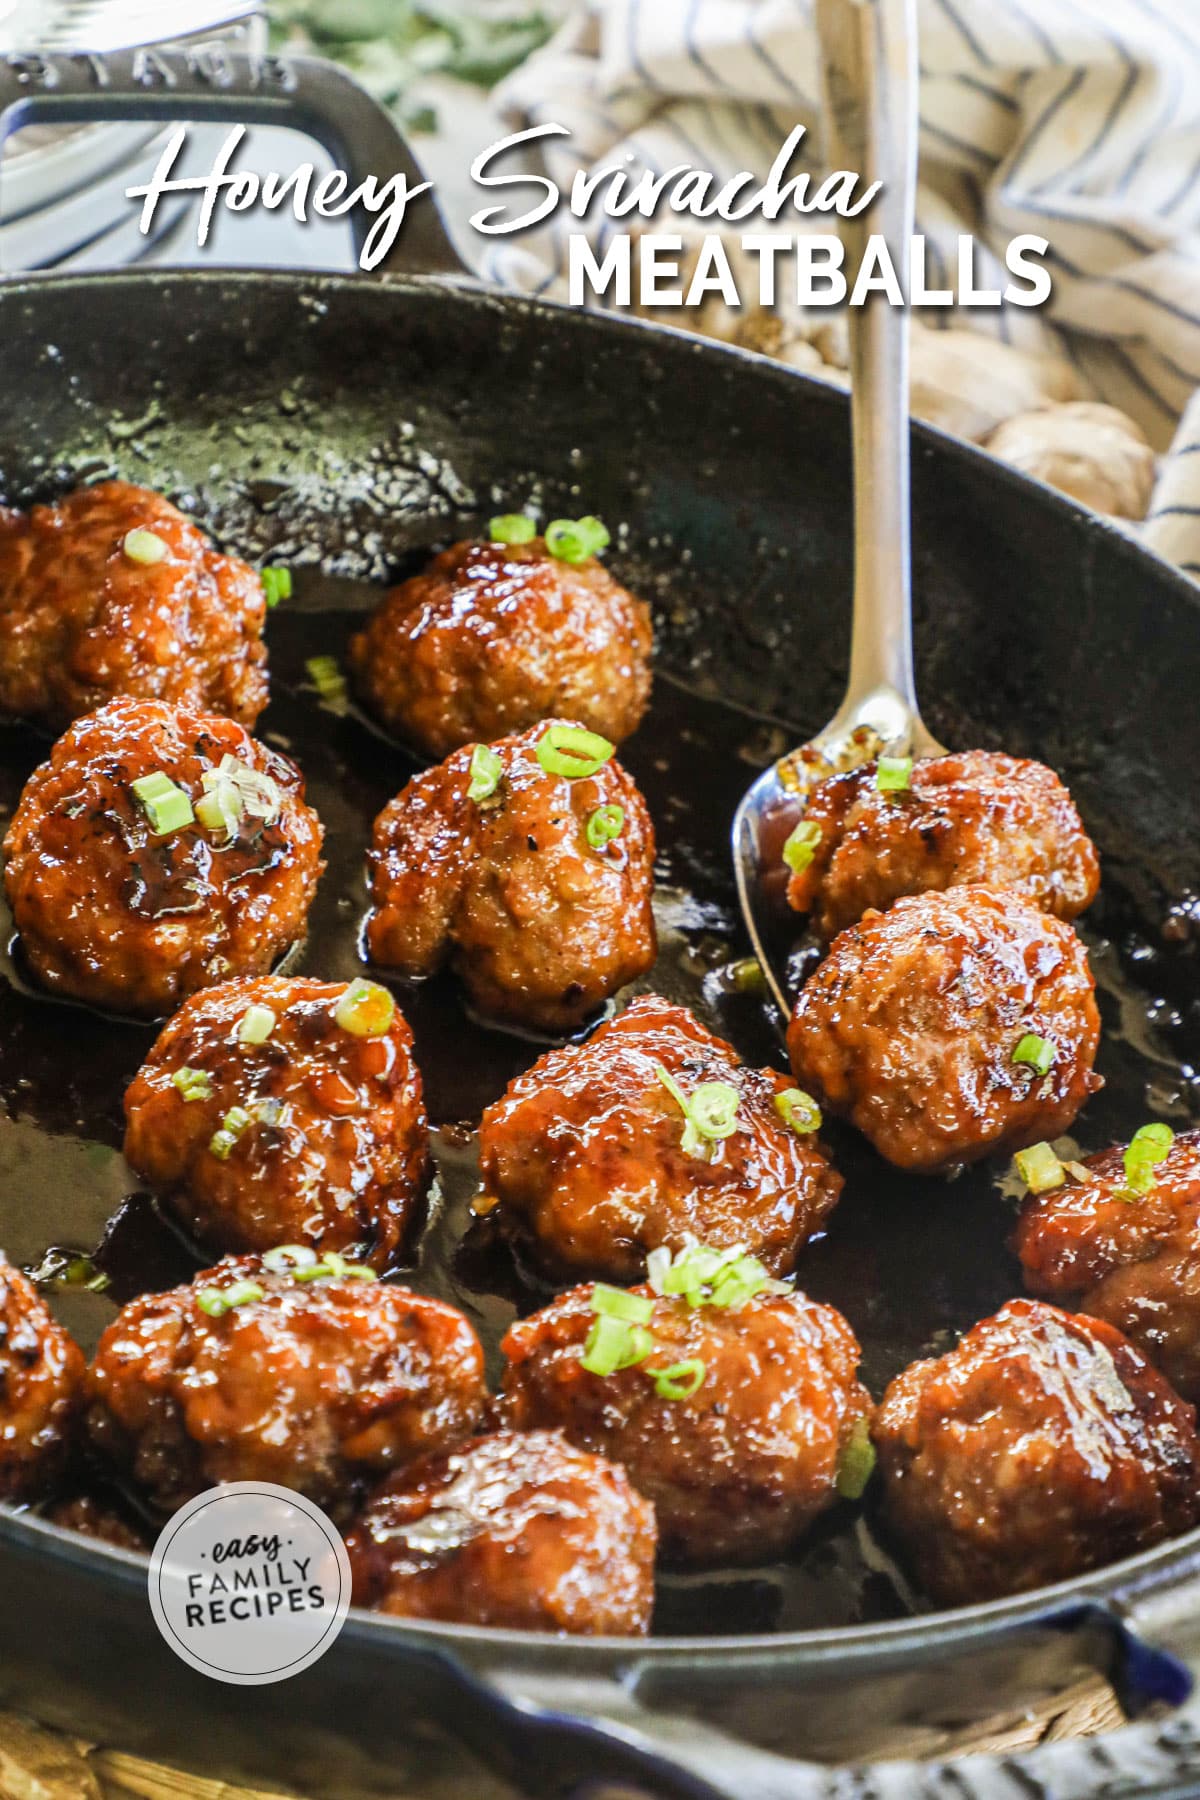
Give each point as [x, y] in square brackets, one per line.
[1105, 1589]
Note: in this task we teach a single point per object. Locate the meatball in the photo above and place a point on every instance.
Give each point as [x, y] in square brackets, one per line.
[273, 1369]
[119, 904]
[492, 638]
[88, 612]
[594, 1161]
[1132, 1259]
[910, 1025]
[1043, 1446]
[41, 1390]
[519, 1530]
[538, 893]
[273, 1111]
[738, 1469]
[980, 817]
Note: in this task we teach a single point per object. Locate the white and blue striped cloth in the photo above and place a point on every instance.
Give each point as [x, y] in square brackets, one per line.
[1078, 120]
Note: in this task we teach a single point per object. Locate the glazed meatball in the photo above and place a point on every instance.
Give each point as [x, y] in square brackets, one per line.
[41, 1390]
[1043, 1446]
[540, 914]
[738, 1470]
[1132, 1259]
[492, 638]
[273, 1112]
[592, 1160]
[909, 1027]
[88, 611]
[980, 817]
[118, 906]
[268, 1369]
[519, 1530]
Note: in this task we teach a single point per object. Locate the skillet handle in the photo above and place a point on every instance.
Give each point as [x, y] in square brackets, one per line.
[209, 84]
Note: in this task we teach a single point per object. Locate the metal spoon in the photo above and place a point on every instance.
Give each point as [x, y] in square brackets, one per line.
[869, 53]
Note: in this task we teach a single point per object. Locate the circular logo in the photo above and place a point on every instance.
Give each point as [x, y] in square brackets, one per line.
[250, 1583]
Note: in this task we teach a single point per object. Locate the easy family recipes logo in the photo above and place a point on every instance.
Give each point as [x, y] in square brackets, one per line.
[813, 264]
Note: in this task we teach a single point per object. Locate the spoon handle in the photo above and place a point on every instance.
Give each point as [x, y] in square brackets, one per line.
[869, 56]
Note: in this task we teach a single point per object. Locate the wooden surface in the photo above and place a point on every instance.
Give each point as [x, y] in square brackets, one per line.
[36, 1764]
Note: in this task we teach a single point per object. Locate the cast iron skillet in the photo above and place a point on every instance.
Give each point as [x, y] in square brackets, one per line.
[343, 425]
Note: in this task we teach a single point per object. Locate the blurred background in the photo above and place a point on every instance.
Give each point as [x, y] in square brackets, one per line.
[1077, 120]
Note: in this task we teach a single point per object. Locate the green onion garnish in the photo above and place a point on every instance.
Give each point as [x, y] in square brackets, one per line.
[285, 1259]
[485, 775]
[893, 774]
[336, 1267]
[1147, 1148]
[258, 1022]
[233, 1125]
[231, 791]
[574, 540]
[679, 1381]
[512, 528]
[706, 1277]
[326, 677]
[799, 1110]
[856, 1464]
[145, 547]
[709, 1111]
[1038, 1052]
[215, 1301]
[748, 977]
[193, 1084]
[572, 751]
[165, 805]
[277, 584]
[619, 1303]
[365, 1009]
[604, 825]
[801, 846]
[1040, 1169]
[614, 1344]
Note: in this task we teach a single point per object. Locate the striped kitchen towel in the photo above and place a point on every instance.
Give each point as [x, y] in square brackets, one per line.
[1078, 120]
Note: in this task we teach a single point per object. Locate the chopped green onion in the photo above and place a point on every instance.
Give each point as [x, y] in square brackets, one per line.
[710, 1111]
[619, 1303]
[193, 1084]
[512, 528]
[680, 1381]
[604, 825]
[258, 1022]
[574, 540]
[277, 584]
[572, 751]
[231, 791]
[235, 1122]
[857, 1462]
[1078, 1172]
[1147, 1148]
[1040, 1169]
[286, 1258]
[215, 1301]
[706, 1277]
[893, 774]
[1037, 1052]
[165, 805]
[365, 1009]
[145, 547]
[799, 1110]
[748, 977]
[485, 774]
[614, 1344]
[801, 846]
[326, 677]
[335, 1267]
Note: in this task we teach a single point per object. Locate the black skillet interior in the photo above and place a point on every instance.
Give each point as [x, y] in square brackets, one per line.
[327, 424]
